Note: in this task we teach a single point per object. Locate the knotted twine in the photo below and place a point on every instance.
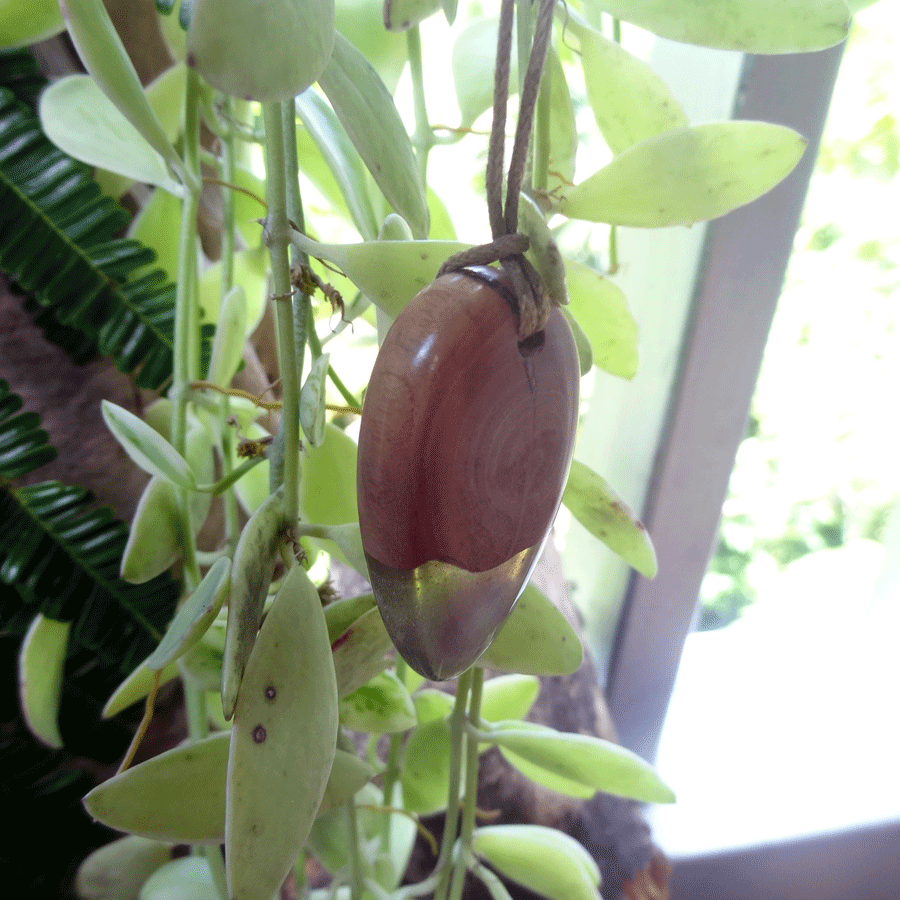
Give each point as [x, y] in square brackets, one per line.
[509, 245]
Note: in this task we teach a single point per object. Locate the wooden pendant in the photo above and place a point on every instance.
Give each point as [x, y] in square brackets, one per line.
[464, 449]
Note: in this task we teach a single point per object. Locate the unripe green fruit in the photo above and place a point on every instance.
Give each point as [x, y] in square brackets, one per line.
[261, 49]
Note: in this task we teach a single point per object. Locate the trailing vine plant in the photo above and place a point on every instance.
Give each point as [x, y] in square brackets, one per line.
[277, 672]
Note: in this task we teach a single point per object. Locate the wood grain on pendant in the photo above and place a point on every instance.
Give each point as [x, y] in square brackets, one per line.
[465, 444]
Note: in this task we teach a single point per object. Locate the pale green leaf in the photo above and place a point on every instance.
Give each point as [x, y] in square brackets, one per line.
[754, 26]
[508, 697]
[42, 660]
[381, 706]
[359, 653]
[282, 741]
[582, 344]
[156, 226]
[361, 22]
[341, 614]
[312, 402]
[146, 447]
[630, 101]
[474, 52]
[22, 24]
[578, 765]
[345, 169]
[83, 122]
[230, 337]
[535, 639]
[401, 15]
[187, 878]
[563, 129]
[178, 795]
[432, 704]
[106, 59]
[348, 542]
[608, 518]
[193, 617]
[545, 860]
[687, 176]
[367, 112]
[117, 870]
[601, 309]
[389, 273]
[136, 687]
[426, 768]
[259, 50]
[250, 272]
[333, 463]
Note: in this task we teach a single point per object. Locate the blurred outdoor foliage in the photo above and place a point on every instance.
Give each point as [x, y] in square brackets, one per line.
[817, 469]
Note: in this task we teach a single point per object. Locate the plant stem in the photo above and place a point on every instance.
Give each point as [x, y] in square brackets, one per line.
[278, 231]
[185, 353]
[353, 860]
[232, 522]
[540, 151]
[301, 302]
[423, 138]
[471, 800]
[457, 728]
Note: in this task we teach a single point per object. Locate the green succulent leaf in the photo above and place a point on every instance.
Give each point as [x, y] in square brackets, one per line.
[426, 768]
[251, 573]
[536, 639]
[563, 128]
[83, 122]
[607, 517]
[545, 860]
[146, 447]
[136, 686]
[432, 704]
[194, 617]
[312, 402]
[381, 706]
[260, 50]
[688, 175]
[282, 742]
[228, 343]
[346, 171]
[582, 344]
[160, 799]
[359, 653]
[389, 273]
[24, 24]
[401, 15]
[341, 614]
[754, 26]
[42, 659]
[106, 59]
[347, 541]
[601, 309]
[118, 870]
[332, 463]
[474, 52]
[630, 101]
[509, 697]
[367, 112]
[188, 878]
[154, 540]
[578, 765]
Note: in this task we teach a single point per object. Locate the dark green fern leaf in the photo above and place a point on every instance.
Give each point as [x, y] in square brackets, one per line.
[23, 444]
[19, 73]
[57, 240]
[62, 555]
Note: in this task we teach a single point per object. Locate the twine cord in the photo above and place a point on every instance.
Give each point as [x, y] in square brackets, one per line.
[509, 245]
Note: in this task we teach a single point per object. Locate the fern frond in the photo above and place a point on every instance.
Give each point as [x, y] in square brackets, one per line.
[57, 239]
[62, 556]
[19, 73]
